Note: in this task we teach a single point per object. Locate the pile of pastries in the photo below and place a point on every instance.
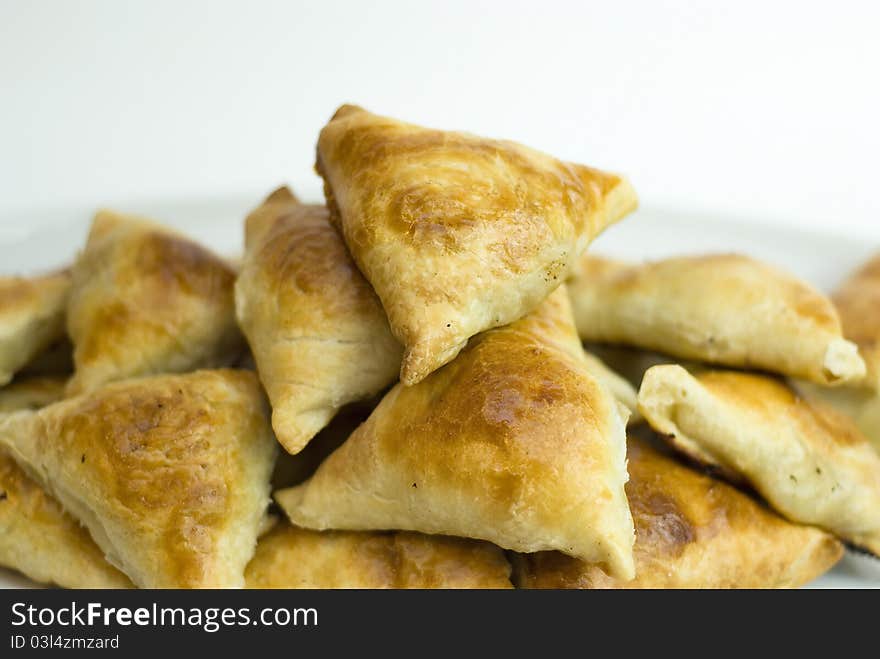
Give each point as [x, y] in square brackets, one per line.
[430, 382]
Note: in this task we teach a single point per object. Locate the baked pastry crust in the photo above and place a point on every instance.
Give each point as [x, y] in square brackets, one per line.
[860, 404]
[723, 309]
[37, 537]
[693, 531]
[514, 442]
[170, 474]
[616, 384]
[858, 303]
[146, 300]
[457, 233]
[808, 461]
[31, 318]
[316, 329]
[290, 557]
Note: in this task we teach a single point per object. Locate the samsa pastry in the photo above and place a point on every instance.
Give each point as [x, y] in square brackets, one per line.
[457, 233]
[317, 331]
[31, 318]
[723, 309]
[693, 531]
[619, 387]
[514, 442]
[170, 474]
[858, 303]
[861, 405]
[809, 462]
[290, 557]
[37, 537]
[146, 301]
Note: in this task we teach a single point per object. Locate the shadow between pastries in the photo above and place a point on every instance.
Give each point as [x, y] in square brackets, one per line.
[37, 537]
[457, 233]
[146, 300]
[514, 442]
[292, 470]
[809, 462]
[722, 309]
[170, 474]
[31, 318]
[693, 531]
[317, 331]
[290, 557]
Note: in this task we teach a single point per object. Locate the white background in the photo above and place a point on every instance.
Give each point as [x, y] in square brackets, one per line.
[762, 109]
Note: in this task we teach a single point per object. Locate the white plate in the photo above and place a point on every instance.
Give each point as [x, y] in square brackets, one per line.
[821, 258]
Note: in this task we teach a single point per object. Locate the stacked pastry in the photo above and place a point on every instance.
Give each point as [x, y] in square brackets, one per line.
[402, 370]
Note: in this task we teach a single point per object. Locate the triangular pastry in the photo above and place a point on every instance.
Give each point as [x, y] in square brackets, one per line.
[289, 557]
[316, 329]
[457, 233]
[693, 532]
[37, 537]
[808, 461]
[146, 301]
[514, 442]
[723, 309]
[31, 318]
[170, 474]
[858, 302]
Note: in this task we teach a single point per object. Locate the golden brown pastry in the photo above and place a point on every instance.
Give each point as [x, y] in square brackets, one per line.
[317, 331]
[145, 301]
[170, 474]
[861, 405]
[31, 318]
[37, 537]
[269, 522]
[514, 442]
[723, 309]
[809, 462]
[618, 386]
[290, 557]
[40, 540]
[693, 532]
[457, 233]
[858, 302]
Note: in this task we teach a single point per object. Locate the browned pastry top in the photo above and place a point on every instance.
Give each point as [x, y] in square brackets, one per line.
[693, 531]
